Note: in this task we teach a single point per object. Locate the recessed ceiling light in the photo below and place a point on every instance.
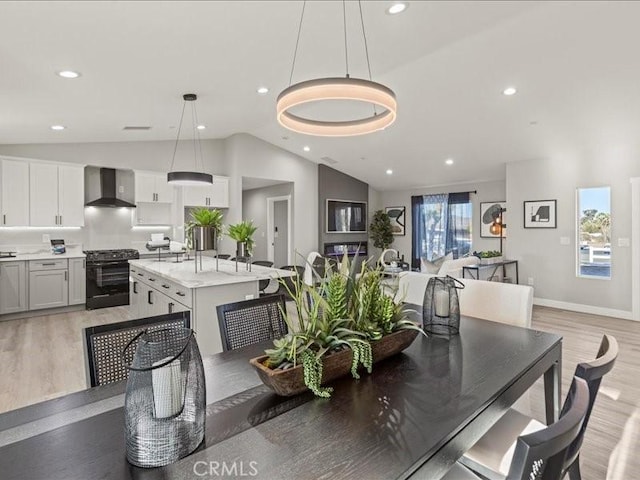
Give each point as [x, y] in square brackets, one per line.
[389, 171]
[306, 148]
[449, 161]
[397, 7]
[57, 127]
[263, 90]
[509, 91]
[201, 127]
[68, 74]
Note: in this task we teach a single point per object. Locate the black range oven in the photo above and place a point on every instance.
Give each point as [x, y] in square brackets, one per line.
[108, 277]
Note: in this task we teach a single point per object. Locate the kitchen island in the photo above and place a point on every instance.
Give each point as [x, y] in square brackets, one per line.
[163, 287]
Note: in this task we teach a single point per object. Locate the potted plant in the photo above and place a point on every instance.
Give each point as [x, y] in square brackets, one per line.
[345, 323]
[204, 229]
[489, 257]
[242, 233]
[380, 230]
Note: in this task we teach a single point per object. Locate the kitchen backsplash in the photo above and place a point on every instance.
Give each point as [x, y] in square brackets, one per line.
[105, 228]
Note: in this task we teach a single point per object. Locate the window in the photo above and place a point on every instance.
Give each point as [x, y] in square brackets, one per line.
[594, 232]
[441, 225]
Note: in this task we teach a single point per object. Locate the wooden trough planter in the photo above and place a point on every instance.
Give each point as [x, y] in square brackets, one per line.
[291, 381]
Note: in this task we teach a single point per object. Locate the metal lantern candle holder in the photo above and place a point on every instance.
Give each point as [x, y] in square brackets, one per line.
[441, 306]
[165, 398]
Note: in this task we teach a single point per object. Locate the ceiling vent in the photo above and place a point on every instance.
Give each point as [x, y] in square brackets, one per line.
[136, 127]
[329, 160]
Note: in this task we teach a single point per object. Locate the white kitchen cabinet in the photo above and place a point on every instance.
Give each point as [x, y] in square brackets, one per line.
[215, 195]
[56, 195]
[77, 281]
[48, 289]
[14, 193]
[152, 187]
[71, 196]
[13, 287]
[153, 214]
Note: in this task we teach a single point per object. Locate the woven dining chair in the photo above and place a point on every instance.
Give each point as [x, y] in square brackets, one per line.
[542, 455]
[251, 321]
[104, 345]
[490, 456]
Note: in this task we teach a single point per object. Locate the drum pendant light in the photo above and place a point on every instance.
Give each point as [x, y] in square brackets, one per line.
[345, 89]
[189, 177]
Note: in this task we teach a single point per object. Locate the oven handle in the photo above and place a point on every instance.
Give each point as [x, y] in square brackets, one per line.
[105, 264]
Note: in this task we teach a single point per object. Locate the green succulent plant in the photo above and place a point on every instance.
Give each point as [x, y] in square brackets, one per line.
[346, 311]
[243, 232]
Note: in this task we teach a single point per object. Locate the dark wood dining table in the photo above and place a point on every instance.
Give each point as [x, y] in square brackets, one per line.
[419, 411]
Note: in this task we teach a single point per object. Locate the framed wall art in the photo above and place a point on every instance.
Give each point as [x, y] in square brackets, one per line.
[397, 215]
[489, 213]
[540, 214]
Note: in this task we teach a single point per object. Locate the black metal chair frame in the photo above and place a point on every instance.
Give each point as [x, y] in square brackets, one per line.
[262, 284]
[277, 327]
[134, 327]
[223, 256]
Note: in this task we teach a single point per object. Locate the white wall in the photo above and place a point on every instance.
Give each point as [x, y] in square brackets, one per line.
[254, 207]
[486, 192]
[553, 266]
[249, 156]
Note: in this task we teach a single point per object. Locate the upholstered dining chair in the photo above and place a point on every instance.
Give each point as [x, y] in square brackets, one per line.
[104, 344]
[542, 455]
[263, 284]
[493, 453]
[251, 321]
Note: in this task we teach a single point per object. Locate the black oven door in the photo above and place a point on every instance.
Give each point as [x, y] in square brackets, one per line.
[107, 284]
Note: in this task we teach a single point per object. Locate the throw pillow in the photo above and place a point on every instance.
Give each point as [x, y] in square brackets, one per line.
[433, 266]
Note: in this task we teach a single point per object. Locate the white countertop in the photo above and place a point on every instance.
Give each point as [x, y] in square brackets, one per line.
[183, 273]
[41, 253]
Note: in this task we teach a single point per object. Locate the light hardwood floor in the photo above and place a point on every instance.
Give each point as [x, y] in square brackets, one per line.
[42, 358]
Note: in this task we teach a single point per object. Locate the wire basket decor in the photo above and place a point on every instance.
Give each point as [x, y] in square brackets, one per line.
[165, 397]
[441, 306]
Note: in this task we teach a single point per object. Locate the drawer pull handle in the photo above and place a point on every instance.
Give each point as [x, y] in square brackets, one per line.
[180, 294]
[165, 286]
[49, 264]
[141, 274]
[152, 279]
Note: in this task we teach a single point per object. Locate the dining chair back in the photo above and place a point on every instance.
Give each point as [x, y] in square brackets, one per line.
[542, 455]
[288, 284]
[592, 372]
[263, 284]
[251, 321]
[104, 345]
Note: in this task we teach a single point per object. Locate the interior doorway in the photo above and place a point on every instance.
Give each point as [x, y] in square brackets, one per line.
[635, 247]
[279, 230]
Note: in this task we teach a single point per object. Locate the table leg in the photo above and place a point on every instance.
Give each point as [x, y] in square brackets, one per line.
[552, 391]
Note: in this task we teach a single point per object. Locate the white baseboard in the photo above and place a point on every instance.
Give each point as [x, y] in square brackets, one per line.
[578, 307]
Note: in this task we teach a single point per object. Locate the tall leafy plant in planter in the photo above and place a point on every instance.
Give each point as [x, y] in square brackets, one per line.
[242, 233]
[346, 312]
[206, 224]
[380, 230]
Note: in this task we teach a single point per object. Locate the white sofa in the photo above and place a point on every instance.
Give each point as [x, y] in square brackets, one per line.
[497, 301]
[453, 268]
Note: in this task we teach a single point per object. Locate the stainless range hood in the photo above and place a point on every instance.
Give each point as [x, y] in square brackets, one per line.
[106, 194]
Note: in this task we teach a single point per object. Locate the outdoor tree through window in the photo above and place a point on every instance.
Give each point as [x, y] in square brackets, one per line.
[594, 227]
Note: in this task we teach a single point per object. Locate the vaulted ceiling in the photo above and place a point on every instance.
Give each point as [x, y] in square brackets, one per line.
[574, 64]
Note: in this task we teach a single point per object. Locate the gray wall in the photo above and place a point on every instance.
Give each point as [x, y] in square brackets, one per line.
[487, 192]
[336, 185]
[254, 207]
[552, 265]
